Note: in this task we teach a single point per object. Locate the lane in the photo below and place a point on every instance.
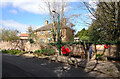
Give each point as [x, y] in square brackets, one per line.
[10, 70]
[14, 66]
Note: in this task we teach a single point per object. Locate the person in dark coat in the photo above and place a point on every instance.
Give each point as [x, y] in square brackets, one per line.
[90, 51]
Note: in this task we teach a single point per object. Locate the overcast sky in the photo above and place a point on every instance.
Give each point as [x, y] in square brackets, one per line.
[20, 14]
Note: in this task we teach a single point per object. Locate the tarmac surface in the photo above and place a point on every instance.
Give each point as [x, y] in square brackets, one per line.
[19, 66]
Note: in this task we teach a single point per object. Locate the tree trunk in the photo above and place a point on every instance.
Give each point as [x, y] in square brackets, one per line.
[118, 28]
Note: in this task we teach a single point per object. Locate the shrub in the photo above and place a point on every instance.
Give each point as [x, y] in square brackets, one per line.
[44, 51]
[37, 51]
[13, 52]
[5, 51]
[51, 52]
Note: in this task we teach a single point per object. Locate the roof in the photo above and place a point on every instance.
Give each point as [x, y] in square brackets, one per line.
[49, 26]
[23, 35]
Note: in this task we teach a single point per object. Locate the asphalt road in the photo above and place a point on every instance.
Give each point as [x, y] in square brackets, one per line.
[19, 66]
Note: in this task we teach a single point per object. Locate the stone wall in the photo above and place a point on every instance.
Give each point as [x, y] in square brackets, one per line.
[77, 50]
[18, 45]
[26, 46]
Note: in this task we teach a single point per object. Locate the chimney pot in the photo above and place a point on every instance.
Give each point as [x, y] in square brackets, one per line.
[46, 22]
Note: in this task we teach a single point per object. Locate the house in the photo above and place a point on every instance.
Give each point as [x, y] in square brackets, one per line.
[23, 36]
[46, 35]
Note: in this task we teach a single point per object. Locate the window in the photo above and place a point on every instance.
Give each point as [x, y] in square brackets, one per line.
[42, 40]
[49, 32]
[41, 32]
[49, 40]
[58, 31]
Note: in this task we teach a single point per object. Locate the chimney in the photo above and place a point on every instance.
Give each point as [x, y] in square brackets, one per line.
[46, 22]
[64, 21]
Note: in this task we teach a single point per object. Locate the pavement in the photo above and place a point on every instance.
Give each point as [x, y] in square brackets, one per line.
[19, 66]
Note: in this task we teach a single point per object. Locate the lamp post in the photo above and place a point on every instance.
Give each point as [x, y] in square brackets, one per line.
[59, 39]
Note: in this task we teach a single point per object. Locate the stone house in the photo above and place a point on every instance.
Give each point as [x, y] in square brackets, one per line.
[45, 34]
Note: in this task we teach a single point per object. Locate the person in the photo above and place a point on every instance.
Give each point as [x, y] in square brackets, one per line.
[90, 51]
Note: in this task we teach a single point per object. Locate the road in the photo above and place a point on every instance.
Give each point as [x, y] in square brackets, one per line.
[19, 66]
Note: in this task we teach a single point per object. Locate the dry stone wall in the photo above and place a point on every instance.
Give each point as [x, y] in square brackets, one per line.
[18, 45]
[80, 49]
[26, 46]
[76, 50]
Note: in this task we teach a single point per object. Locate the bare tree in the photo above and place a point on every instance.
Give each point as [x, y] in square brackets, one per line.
[60, 8]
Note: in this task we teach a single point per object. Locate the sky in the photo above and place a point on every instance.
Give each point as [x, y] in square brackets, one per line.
[20, 14]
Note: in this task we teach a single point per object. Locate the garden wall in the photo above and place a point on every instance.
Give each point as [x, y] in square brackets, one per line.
[78, 50]
[19, 45]
[26, 46]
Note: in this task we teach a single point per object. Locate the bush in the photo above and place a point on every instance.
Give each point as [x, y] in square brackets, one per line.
[37, 51]
[44, 51]
[51, 52]
[5, 51]
[13, 52]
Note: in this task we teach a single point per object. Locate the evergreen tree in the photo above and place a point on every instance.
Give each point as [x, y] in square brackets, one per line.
[106, 26]
[83, 34]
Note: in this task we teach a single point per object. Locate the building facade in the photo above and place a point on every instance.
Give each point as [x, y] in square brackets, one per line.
[45, 34]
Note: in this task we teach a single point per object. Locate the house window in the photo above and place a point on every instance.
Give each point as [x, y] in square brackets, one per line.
[41, 32]
[57, 31]
[42, 40]
[49, 40]
[49, 32]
